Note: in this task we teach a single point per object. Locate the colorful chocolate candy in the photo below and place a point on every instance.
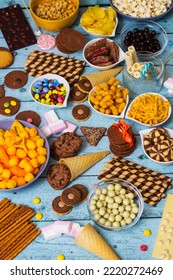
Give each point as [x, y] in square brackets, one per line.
[49, 92]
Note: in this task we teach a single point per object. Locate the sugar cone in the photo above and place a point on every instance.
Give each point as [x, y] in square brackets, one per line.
[90, 240]
[101, 77]
[79, 164]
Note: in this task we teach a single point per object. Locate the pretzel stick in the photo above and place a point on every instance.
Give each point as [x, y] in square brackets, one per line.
[10, 230]
[9, 213]
[4, 202]
[20, 246]
[6, 209]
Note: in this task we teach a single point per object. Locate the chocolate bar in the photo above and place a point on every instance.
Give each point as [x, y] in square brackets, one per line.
[15, 28]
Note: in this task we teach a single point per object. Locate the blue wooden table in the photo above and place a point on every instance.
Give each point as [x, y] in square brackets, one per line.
[127, 243]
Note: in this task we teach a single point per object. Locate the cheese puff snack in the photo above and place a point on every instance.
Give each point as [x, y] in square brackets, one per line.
[109, 98]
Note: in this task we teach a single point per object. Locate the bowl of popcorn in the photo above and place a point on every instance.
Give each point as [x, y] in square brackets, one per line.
[50, 90]
[103, 53]
[24, 154]
[109, 99]
[115, 204]
[145, 36]
[54, 15]
[142, 9]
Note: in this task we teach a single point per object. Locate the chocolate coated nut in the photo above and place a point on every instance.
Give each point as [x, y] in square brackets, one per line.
[59, 207]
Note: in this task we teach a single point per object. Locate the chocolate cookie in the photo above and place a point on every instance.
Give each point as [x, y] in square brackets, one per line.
[59, 207]
[15, 79]
[2, 91]
[83, 190]
[58, 176]
[71, 196]
[115, 135]
[93, 134]
[6, 57]
[77, 95]
[85, 85]
[66, 145]
[81, 112]
[29, 116]
[158, 134]
[148, 143]
[9, 106]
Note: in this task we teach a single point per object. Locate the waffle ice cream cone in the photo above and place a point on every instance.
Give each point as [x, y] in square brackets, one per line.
[103, 76]
[90, 240]
[79, 164]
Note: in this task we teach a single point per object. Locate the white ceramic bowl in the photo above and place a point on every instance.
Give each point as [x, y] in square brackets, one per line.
[51, 77]
[158, 124]
[145, 132]
[101, 35]
[106, 115]
[121, 56]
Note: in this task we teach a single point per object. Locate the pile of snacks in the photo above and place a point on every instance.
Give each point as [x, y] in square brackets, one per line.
[22, 153]
[55, 9]
[149, 109]
[159, 145]
[17, 230]
[102, 52]
[152, 185]
[109, 98]
[113, 206]
[98, 20]
[142, 9]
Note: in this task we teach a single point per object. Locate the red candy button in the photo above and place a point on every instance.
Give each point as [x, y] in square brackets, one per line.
[143, 248]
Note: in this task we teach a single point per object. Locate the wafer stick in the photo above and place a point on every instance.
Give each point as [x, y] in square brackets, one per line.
[4, 202]
[23, 243]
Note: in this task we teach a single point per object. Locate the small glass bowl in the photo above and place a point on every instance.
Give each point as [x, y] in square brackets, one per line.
[151, 25]
[130, 188]
[136, 85]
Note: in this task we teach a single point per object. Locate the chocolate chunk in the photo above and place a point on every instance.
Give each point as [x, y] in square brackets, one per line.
[15, 28]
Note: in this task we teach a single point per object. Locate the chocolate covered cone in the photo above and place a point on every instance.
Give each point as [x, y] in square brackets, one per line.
[101, 77]
[79, 164]
[90, 240]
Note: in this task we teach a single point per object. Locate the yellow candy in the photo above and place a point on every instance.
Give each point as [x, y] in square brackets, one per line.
[30, 144]
[54, 91]
[32, 153]
[147, 232]
[7, 111]
[11, 184]
[13, 103]
[34, 162]
[13, 161]
[40, 142]
[6, 173]
[38, 216]
[43, 100]
[41, 159]
[33, 132]
[28, 168]
[60, 257]
[29, 177]
[11, 151]
[3, 185]
[41, 151]
[21, 153]
[36, 200]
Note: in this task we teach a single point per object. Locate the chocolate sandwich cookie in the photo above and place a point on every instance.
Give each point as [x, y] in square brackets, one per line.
[83, 190]
[81, 112]
[59, 207]
[84, 85]
[58, 176]
[15, 79]
[2, 91]
[71, 196]
[66, 145]
[9, 106]
[77, 95]
[6, 57]
[29, 116]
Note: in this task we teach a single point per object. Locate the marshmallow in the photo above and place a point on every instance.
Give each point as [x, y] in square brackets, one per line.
[63, 226]
[57, 229]
[70, 127]
[58, 126]
[51, 117]
[46, 131]
[75, 230]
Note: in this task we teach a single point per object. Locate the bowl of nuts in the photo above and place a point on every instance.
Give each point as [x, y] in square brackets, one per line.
[54, 15]
[115, 204]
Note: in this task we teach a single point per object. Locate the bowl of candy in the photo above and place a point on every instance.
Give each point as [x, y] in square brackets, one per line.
[25, 154]
[142, 10]
[144, 36]
[50, 90]
[115, 204]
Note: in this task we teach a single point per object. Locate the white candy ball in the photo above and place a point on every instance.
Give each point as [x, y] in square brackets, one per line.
[116, 224]
[110, 187]
[97, 217]
[118, 187]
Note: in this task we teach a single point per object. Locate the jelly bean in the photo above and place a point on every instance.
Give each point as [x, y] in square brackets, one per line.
[46, 89]
[143, 247]
[147, 232]
[46, 81]
[37, 91]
